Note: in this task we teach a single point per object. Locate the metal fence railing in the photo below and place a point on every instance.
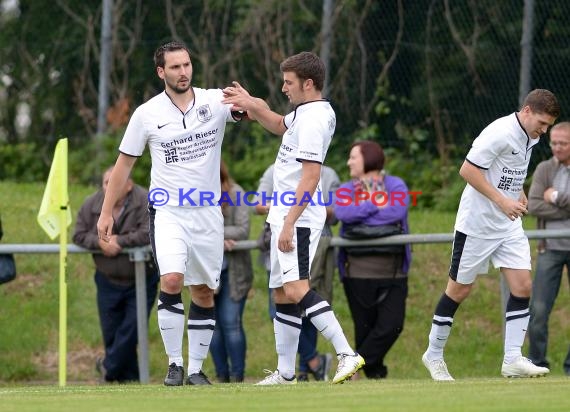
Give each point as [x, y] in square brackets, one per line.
[141, 254]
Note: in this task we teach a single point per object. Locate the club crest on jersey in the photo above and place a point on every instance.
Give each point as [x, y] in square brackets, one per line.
[204, 113]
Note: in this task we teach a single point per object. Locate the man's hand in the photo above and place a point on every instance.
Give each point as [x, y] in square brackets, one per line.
[238, 97]
[512, 208]
[111, 247]
[105, 227]
[241, 100]
[548, 194]
[524, 201]
[285, 242]
[229, 244]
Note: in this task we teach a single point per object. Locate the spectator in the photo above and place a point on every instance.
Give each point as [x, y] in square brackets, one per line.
[115, 275]
[549, 201]
[228, 346]
[375, 280]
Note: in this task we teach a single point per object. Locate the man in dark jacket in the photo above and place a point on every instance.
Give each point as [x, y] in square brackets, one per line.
[549, 201]
[115, 276]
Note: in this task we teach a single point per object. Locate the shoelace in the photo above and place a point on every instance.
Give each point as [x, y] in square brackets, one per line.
[440, 367]
[272, 376]
[172, 370]
[342, 360]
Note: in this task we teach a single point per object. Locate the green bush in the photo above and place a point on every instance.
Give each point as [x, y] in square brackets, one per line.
[89, 158]
[24, 162]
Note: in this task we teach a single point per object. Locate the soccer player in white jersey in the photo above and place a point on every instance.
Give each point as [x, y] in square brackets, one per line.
[183, 127]
[296, 215]
[488, 228]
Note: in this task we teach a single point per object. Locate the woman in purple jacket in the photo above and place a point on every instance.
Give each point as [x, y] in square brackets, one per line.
[375, 281]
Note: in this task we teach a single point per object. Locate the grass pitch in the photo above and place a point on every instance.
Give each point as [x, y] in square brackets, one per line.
[497, 394]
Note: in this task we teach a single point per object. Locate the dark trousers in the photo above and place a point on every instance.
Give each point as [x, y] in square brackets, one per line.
[378, 309]
[118, 318]
[545, 287]
[229, 345]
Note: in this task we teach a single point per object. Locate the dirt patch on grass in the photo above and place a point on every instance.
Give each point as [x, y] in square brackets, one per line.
[80, 365]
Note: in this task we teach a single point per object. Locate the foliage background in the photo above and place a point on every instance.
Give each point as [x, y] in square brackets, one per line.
[422, 77]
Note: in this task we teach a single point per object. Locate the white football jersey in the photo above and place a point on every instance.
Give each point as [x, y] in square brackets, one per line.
[502, 151]
[309, 132]
[185, 147]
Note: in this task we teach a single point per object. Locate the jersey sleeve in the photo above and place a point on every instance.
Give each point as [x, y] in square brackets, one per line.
[288, 119]
[312, 134]
[135, 137]
[486, 148]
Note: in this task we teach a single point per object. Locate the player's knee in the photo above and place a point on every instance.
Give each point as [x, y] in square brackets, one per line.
[171, 283]
[295, 291]
[292, 295]
[458, 292]
[523, 289]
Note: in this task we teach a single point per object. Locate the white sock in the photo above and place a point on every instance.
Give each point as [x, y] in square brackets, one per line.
[517, 316]
[287, 328]
[322, 316]
[201, 324]
[438, 335]
[515, 332]
[170, 315]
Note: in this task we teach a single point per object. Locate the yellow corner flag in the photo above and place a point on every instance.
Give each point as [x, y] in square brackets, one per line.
[54, 217]
[56, 200]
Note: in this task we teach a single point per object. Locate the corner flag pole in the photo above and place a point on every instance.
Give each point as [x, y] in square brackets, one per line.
[63, 293]
[63, 297]
[54, 217]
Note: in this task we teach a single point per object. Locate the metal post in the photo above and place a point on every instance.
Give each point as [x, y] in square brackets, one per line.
[104, 66]
[327, 37]
[526, 50]
[139, 256]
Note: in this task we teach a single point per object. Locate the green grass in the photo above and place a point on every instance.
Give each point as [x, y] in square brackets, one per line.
[29, 313]
[390, 395]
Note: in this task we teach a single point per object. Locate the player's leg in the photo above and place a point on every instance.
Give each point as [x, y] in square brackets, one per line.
[516, 323]
[205, 236]
[317, 310]
[513, 257]
[320, 281]
[469, 257]
[201, 325]
[170, 254]
[287, 319]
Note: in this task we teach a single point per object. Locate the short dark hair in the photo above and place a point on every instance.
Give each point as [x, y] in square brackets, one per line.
[542, 101]
[306, 65]
[167, 47]
[372, 153]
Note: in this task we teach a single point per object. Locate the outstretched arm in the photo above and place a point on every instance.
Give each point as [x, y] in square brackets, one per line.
[117, 181]
[257, 109]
